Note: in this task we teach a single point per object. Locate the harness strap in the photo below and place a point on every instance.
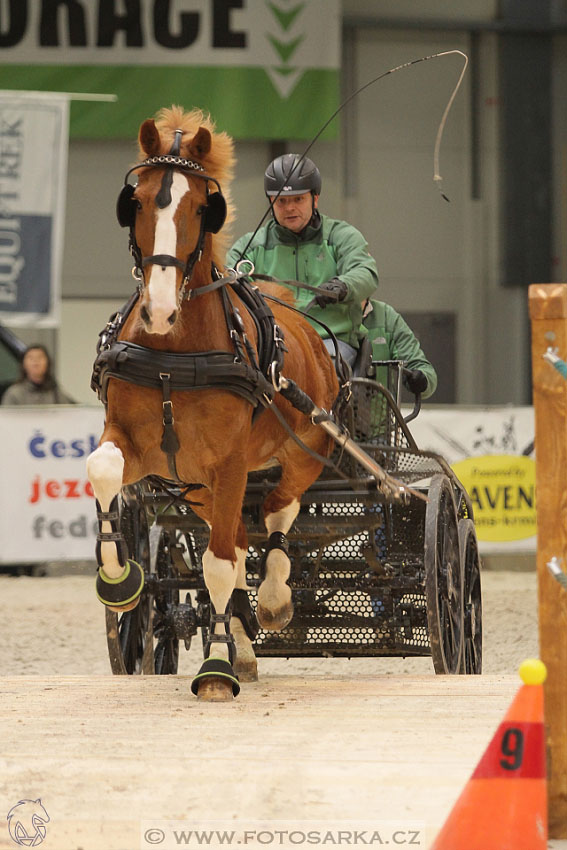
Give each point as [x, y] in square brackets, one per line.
[298, 284]
[163, 260]
[114, 536]
[213, 637]
[169, 441]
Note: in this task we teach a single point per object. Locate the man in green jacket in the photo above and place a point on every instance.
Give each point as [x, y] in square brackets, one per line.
[300, 243]
[393, 339]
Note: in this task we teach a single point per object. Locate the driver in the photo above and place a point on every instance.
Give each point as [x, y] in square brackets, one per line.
[300, 243]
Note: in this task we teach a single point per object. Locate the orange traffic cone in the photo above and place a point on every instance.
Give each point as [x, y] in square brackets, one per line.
[504, 804]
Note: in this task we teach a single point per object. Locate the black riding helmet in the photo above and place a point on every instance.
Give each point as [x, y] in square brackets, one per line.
[283, 178]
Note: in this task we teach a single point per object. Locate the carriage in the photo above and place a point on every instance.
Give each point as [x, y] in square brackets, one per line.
[370, 575]
[221, 416]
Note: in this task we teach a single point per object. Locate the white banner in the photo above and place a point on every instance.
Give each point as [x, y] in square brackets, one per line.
[34, 129]
[492, 452]
[47, 510]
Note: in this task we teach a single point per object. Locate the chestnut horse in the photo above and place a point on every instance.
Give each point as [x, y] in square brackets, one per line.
[174, 213]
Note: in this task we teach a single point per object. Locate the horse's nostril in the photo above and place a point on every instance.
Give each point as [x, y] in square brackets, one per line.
[145, 315]
[172, 318]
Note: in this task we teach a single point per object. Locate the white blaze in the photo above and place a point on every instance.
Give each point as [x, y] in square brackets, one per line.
[161, 288]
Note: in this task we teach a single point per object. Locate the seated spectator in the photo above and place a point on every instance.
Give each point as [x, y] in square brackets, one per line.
[36, 384]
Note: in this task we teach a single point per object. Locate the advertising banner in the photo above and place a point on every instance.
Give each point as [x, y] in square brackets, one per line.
[47, 509]
[33, 174]
[492, 452]
[264, 69]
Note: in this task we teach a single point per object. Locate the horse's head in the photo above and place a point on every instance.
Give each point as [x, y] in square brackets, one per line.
[174, 210]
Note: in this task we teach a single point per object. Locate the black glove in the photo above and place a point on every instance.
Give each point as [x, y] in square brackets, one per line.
[334, 287]
[415, 381]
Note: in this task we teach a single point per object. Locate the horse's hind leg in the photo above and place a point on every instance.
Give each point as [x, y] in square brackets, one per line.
[275, 608]
[120, 580]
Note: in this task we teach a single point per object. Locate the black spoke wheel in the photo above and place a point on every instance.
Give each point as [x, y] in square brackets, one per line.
[166, 649]
[143, 640]
[472, 601]
[443, 577]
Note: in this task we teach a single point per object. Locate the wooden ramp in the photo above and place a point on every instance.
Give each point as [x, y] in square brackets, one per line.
[107, 753]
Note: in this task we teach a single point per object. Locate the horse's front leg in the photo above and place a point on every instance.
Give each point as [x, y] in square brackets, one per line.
[216, 680]
[120, 580]
[243, 624]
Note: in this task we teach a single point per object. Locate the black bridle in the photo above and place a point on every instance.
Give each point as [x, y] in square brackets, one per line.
[212, 214]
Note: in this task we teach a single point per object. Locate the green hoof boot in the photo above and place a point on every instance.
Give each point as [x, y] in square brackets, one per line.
[121, 593]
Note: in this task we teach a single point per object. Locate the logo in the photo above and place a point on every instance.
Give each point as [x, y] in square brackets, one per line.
[26, 823]
[502, 492]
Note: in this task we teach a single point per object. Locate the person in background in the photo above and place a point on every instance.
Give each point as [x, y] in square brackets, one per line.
[36, 384]
[393, 339]
[300, 243]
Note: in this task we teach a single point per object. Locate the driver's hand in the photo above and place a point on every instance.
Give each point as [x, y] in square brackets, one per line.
[332, 291]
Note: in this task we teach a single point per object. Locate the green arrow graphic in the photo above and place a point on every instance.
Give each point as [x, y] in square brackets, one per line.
[286, 19]
[285, 50]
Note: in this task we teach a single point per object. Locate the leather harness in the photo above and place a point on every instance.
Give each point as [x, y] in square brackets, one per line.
[250, 374]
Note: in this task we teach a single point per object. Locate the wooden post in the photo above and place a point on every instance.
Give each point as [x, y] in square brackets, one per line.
[548, 312]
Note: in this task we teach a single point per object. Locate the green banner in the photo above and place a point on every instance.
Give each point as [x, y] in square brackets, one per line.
[242, 101]
[264, 69]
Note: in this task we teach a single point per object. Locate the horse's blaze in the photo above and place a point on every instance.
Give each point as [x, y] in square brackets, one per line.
[161, 299]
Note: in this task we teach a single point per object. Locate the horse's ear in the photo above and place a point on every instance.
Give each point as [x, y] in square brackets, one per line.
[149, 138]
[200, 143]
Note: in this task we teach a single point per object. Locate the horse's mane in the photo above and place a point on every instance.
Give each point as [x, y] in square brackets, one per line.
[218, 162]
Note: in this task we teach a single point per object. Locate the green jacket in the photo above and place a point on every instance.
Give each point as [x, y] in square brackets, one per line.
[393, 339]
[331, 248]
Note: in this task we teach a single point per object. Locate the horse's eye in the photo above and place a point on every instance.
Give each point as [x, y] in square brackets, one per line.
[138, 204]
[201, 209]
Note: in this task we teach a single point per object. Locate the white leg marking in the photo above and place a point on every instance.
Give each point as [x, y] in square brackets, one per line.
[219, 575]
[283, 520]
[105, 468]
[274, 593]
[162, 292]
[241, 569]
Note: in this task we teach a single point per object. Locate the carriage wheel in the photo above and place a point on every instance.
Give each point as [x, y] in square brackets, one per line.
[472, 604]
[443, 577]
[131, 635]
[166, 651]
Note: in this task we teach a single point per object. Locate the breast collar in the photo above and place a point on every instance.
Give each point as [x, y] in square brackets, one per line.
[246, 372]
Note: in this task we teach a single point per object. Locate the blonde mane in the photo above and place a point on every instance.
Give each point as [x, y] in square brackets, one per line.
[219, 162]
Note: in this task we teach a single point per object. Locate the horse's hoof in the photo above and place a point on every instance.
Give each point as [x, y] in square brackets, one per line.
[215, 681]
[213, 689]
[245, 666]
[129, 607]
[274, 621]
[246, 669]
